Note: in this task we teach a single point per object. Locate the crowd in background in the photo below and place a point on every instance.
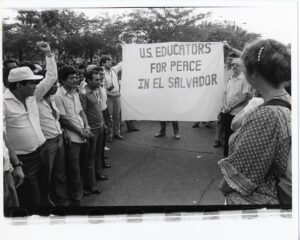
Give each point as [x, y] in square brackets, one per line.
[58, 119]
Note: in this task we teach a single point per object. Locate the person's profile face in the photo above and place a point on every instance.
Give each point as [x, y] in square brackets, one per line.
[28, 89]
[95, 82]
[107, 64]
[71, 81]
[101, 74]
[236, 67]
[80, 76]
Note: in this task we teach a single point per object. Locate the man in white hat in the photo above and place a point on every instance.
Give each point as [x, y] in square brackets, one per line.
[22, 123]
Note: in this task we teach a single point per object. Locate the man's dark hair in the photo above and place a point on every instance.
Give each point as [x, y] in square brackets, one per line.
[64, 72]
[81, 66]
[89, 75]
[103, 59]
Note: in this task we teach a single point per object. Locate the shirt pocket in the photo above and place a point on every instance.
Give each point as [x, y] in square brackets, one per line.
[69, 108]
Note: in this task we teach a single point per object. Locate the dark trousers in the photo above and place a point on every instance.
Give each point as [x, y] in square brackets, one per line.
[97, 151]
[226, 120]
[91, 158]
[57, 171]
[219, 130]
[10, 198]
[103, 146]
[34, 191]
[73, 173]
[164, 124]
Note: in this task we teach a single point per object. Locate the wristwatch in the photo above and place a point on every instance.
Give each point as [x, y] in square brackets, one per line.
[18, 164]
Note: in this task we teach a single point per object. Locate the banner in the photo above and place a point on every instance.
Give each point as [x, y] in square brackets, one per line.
[174, 81]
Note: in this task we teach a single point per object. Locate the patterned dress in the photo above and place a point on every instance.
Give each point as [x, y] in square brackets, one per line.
[259, 153]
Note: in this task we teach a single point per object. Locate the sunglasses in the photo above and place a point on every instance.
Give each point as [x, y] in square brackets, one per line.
[235, 65]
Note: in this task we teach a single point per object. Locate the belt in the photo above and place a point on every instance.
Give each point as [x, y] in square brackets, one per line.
[54, 139]
[37, 150]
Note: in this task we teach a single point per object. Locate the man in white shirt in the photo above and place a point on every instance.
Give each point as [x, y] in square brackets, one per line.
[76, 125]
[111, 84]
[21, 118]
[236, 97]
[49, 120]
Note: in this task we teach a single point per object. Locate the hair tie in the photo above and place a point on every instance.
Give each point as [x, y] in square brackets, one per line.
[259, 53]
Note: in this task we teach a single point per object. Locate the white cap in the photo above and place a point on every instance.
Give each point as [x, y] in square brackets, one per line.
[22, 73]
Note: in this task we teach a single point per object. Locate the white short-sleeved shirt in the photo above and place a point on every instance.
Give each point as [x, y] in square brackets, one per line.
[69, 106]
[111, 78]
[50, 125]
[235, 88]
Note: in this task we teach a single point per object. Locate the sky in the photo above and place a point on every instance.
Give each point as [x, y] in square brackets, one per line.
[277, 21]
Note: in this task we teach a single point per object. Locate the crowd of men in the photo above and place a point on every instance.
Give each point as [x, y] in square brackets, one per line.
[55, 132]
[57, 121]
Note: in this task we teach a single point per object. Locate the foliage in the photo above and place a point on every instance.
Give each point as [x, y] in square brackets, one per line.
[74, 35]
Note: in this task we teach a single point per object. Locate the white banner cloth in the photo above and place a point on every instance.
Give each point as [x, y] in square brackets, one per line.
[174, 81]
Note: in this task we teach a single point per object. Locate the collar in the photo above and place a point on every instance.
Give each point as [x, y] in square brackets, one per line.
[9, 95]
[240, 76]
[65, 92]
[88, 90]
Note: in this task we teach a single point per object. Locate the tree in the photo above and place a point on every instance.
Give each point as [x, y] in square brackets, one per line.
[74, 35]
[162, 24]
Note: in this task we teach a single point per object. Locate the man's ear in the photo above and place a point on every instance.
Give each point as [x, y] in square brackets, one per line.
[18, 85]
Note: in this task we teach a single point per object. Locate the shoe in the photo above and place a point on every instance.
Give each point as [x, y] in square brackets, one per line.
[160, 134]
[195, 125]
[86, 193]
[106, 149]
[106, 165]
[119, 137]
[177, 136]
[217, 143]
[102, 178]
[133, 130]
[95, 191]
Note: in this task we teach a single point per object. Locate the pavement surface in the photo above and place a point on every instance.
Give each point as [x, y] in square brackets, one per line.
[149, 171]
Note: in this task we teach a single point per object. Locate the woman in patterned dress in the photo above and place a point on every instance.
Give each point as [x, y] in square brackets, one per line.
[259, 151]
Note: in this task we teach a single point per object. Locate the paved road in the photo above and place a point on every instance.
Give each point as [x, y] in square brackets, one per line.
[161, 171]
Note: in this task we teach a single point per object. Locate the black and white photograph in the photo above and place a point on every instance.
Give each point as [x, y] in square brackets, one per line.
[147, 108]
